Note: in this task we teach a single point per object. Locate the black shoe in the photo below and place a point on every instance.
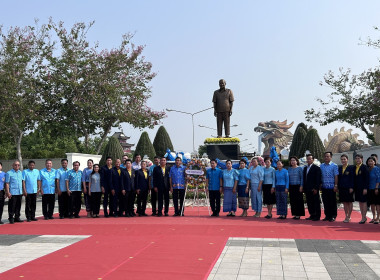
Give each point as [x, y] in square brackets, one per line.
[1, 223]
[268, 217]
[326, 219]
[127, 215]
[296, 218]
[315, 219]
[144, 214]
[166, 214]
[183, 215]
[159, 215]
[106, 215]
[154, 214]
[309, 219]
[46, 218]
[11, 221]
[51, 218]
[18, 220]
[175, 215]
[28, 220]
[332, 220]
[111, 215]
[363, 222]
[34, 219]
[77, 216]
[133, 214]
[71, 217]
[61, 217]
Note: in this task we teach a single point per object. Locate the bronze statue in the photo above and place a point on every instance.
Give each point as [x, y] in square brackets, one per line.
[223, 100]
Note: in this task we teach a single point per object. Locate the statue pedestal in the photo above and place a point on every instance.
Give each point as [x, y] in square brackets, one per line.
[223, 151]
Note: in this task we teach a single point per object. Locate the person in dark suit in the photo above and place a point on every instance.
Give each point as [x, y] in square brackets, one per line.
[361, 184]
[346, 186]
[142, 188]
[129, 186]
[161, 184]
[106, 183]
[117, 189]
[311, 186]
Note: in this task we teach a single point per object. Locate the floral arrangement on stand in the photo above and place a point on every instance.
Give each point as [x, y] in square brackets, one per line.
[196, 181]
[221, 140]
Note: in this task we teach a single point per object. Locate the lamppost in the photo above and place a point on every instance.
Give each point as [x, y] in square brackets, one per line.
[192, 118]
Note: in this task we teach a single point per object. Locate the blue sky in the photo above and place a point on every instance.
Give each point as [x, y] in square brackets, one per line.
[273, 54]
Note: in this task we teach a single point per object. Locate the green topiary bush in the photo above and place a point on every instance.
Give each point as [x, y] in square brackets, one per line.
[145, 147]
[162, 142]
[314, 144]
[298, 138]
[113, 149]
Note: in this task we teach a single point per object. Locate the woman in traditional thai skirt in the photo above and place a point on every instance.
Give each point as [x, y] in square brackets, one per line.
[296, 188]
[346, 186]
[243, 187]
[373, 195]
[282, 187]
[229, 182]
[269, 196]
[257, 177]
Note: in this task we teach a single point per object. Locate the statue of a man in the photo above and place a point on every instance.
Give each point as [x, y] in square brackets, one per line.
[223, 100]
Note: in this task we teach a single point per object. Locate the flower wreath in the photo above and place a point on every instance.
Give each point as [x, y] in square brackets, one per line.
[197, 178]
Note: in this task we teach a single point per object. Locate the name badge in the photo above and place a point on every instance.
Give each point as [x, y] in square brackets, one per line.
[347, 173]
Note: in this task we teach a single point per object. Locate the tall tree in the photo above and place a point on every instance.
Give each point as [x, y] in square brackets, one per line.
[22, 74]
[145, 146]
[162, 142]
[355, 99]
[96, 89]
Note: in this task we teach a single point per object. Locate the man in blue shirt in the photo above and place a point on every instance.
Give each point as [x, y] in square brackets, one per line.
[13, 189]
[85, 179]
[177, 186]
[47, 187]
[60, 182]
[153, 193]
[30, 179]
[2, 192]
[123, 160]
[213, 176]
[330, 174]
[74, 190]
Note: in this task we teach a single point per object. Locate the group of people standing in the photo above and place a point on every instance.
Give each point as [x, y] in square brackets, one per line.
[121, 184]
[127, 183]
[269, 186]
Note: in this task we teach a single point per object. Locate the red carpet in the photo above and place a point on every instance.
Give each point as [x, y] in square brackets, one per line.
[162, 248]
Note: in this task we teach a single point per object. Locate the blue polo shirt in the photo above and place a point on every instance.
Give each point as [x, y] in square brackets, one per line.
[329, 171]
[48, 180]
[213, 176]
[86, 175]
[75, 180]
[2, 180]
[31, 177]
[61, 176]
[177, 174]
[14, 179]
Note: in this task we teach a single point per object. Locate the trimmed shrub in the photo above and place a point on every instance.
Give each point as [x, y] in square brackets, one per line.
[113, 149]
[298, 138]
[162, 142]
[314, 144]
[145, 147]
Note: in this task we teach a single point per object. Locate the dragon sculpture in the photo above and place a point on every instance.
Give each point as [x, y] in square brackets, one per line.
[376, 134]
[342, 141]
[274, 133]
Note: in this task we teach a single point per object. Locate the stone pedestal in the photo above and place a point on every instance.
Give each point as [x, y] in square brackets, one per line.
[223, 151]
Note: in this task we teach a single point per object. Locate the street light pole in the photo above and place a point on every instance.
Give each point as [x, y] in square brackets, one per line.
[192, 118]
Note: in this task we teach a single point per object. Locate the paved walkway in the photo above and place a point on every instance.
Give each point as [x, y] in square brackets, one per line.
[272, 258]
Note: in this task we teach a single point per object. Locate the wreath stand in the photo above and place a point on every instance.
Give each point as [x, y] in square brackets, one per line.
[195, 176]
